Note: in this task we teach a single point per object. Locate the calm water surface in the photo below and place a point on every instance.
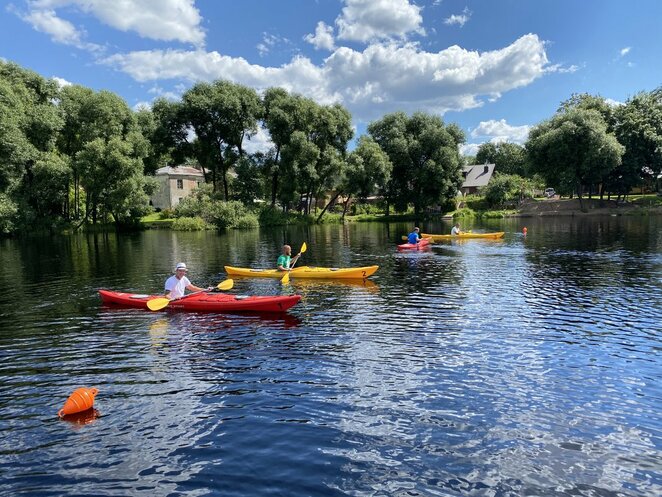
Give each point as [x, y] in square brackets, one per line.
[526, 366]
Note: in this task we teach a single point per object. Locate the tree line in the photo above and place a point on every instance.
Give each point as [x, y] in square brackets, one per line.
[589, 147]
[72, 157]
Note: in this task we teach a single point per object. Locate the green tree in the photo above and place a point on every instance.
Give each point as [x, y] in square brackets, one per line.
[508, 158]
[29, 123]
[639, 130]
[425, 157]
[366, 172]
[573, 149]
[106, 147]
[248, 186]
[222, 114]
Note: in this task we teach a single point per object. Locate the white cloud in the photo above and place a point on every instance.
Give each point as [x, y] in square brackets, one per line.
[382, 78]
[142, 106]
[259, 142]
[323, 37]
[613, 103]
[459, 19]
[60, 30]
[269, 41]
[501, 131]
[166, 20]
[469, 148]
[560, 68]
[365, 20]
[61, 82]
[624, 51]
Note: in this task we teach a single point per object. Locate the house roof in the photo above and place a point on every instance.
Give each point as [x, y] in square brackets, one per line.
[477, 175]
[179, 171]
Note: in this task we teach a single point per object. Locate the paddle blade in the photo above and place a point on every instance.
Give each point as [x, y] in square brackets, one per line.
[157, 304]
[304, 247]
[285, 279]
[225, 285]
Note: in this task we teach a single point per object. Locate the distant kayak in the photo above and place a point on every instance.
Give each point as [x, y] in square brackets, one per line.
[305, 272]
[206, 302]
[414, 246]
[497, 234]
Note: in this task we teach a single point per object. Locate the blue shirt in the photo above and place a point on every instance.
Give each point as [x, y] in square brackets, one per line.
[413, 238]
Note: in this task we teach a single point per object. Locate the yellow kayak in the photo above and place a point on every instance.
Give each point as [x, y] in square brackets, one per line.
[305, 272]
[498, 234]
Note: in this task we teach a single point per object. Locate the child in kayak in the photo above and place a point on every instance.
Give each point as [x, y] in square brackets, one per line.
[456, 230]
[176, 285]
[414, 237]
[285, 260]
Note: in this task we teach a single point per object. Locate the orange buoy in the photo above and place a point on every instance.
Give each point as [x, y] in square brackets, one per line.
[81, 400]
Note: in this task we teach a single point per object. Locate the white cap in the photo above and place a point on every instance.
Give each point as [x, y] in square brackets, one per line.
[181, 265]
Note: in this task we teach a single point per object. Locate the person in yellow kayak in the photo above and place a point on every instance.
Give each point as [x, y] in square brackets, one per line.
[456, 229]
[177, 284]
[414, 237]
[285, 259]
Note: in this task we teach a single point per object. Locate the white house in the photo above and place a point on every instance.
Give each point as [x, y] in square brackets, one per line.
[175, 183]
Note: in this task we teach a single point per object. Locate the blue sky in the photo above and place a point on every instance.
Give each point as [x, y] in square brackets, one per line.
[494, 67]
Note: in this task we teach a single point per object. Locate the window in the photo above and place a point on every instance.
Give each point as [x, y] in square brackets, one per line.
[180, 184]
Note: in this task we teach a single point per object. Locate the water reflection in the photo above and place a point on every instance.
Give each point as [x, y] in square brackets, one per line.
[524, 367]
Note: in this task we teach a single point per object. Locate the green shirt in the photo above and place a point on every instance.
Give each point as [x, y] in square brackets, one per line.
[284, 260]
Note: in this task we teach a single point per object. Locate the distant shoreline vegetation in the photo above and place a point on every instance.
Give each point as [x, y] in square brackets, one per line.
[72, 158]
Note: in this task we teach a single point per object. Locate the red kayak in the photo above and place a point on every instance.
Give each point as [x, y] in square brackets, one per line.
[206, 302]
[411, 246]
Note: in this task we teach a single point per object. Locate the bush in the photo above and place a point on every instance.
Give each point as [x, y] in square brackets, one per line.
[8, 213]
[167, 214]
[464, 212]
[247, 221]
[226, 215]
[189, 224]
[197, 204]
[502, 189]
[271, 216]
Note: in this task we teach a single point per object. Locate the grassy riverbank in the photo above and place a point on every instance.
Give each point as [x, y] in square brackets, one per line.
[472, 207]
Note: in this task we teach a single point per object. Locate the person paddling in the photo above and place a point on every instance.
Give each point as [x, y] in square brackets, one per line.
[414, 237]
[285, 259]
[456, 230]
[176, 285]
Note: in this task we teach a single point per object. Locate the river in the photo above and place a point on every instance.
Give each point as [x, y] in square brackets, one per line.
[529, 365]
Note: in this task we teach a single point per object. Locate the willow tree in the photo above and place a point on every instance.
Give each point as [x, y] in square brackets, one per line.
[221, 114]
[573, 149]
[425, 156]
[367, 170]
[33, 176]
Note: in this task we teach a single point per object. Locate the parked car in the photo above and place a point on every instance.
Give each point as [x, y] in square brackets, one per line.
[549, 192]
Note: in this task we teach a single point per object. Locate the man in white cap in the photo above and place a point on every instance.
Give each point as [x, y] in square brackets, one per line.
[176, 285]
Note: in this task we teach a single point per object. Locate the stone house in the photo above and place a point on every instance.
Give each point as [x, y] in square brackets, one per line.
[175, 183]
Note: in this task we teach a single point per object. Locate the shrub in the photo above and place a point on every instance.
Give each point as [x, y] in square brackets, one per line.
[225, 215]
[247, 221]
[189, 224]
[167, 214]
[8, 213]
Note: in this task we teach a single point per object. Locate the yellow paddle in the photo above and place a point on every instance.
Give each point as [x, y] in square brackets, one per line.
[160, 302]
[286, 279]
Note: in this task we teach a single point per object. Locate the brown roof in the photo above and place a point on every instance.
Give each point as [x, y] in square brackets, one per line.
[179, 171]
[477, 175]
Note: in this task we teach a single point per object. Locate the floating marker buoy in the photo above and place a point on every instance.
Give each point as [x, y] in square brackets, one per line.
[524, 230]
[81, 400]
[82, 418]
